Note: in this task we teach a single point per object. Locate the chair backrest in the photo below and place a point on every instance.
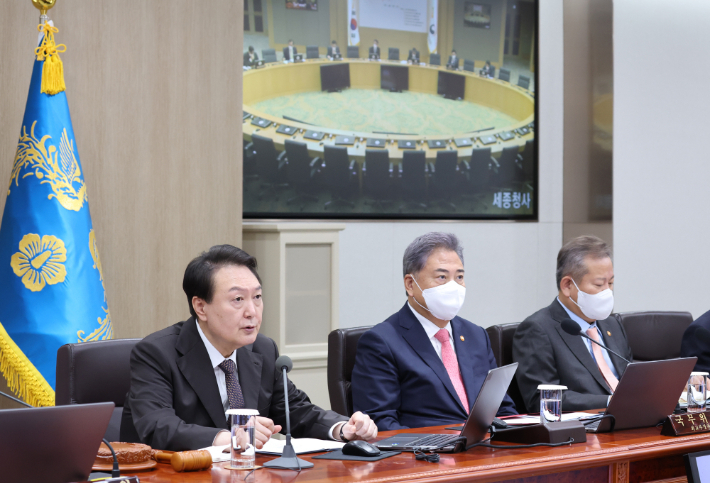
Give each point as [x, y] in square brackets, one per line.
[655, 336]
[529, 160]
[468, 65]
[507, 162]
[393, 53]
[501, 337]
[377, 173]
[445, 168]
[504, 75]
[92, 372]
[268, 55]
[337, 171]
[434, 59]
[414, 171]
[312, 52]
[266, 163]
[298, 168]
[492, 71]
[524, 81]
[479, 166]
[342, 345]
[353, 52]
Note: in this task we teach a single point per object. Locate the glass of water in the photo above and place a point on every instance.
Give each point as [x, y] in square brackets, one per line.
[697, 387]
[550, 402]
[243, 450]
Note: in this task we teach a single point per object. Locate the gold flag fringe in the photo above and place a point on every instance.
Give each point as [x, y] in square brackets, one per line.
[53, 69]
[22, 376]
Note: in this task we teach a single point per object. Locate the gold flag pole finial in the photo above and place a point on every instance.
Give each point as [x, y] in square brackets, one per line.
[43, 6]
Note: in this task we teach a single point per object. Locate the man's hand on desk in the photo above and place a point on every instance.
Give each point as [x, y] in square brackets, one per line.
[360, 426]
[263, 430]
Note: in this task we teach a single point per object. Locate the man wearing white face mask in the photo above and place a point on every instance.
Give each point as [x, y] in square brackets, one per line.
[546, 354]
[424, 366]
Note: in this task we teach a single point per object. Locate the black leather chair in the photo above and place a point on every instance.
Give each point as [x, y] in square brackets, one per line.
[312, 52]
[353, 52]
[340, 175]
[342, 344]
[501, 337]
[478, 173]
[268, 55]
[655, 336]
[393, 53]
[527, 161]
[492, 72]
[434, 59]
[509, 171]
[300, 171]
[269, 163]
[524, 82]
[377, 175]
[92, 372]
[445, 177]
[504, 75]
[414, 172]
[468, 65]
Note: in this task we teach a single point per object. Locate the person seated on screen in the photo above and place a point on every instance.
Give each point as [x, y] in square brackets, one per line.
[333, 50]
[546, 354]
[290, 51]
[694, 346]
[424, 365]
[413, 56]
[486, 69]
[453, 62]
[250, 57]
[186, 376]
[375, 50]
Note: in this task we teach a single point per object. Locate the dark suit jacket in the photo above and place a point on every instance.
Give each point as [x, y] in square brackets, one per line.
[401, 382]
[377, 53]
[286, 56]
[247, 62]
[333, 51]
[453, 63]
[692, 347]
[546, 354]
[413, 55]
[174, 401]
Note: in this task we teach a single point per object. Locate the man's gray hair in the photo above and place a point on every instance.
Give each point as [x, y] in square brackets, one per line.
[571, 259]
[418, 252]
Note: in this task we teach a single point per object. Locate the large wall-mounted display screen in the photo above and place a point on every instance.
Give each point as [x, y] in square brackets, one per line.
[439, 138]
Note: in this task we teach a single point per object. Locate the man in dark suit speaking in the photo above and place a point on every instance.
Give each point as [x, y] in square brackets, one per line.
[185, 377]
[546, 354]
[290, 51]
[424, 366]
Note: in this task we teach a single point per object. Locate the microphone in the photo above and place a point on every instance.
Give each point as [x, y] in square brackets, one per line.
[572, 328]
[288, 460]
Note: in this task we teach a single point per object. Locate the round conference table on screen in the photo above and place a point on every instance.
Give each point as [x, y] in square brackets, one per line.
[283, 79]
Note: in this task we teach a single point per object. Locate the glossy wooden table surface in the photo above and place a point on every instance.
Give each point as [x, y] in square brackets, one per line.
[640, 455]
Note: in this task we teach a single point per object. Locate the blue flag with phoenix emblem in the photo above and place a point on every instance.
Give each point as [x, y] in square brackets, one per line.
[50, 273]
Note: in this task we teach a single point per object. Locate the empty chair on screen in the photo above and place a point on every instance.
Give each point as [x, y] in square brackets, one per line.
[377, 176]
[340, 176]
[413, 173]
[269, 163]
[445, 178]
[300, 172]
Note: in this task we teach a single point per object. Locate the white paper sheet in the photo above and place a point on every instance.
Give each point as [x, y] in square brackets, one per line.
[301, 445]
[527, 419]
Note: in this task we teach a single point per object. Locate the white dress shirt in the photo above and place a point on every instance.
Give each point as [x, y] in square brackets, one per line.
[431, 329]
[216, 358]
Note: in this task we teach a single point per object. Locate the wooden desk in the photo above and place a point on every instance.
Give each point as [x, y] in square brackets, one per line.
[631, 456]
[279, 79]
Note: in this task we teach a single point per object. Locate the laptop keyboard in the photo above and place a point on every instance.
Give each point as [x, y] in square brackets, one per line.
[432, 440]
[592, 427]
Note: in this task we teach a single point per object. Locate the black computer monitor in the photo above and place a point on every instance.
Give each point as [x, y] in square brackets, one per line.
[334, 77]
[451, 86]
[394, 77]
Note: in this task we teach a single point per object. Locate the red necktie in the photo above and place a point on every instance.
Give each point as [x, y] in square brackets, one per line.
[452, 366]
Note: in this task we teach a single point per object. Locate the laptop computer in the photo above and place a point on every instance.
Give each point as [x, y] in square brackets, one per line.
[288, 130]
[406, 144]
[479, 419]
[345, 140]
[463, 142]
[506, 136]
[261, 122]
[52, 444]
[436, 143]
[486, 140]
[314, 135]
[646, 394]
[376, 143]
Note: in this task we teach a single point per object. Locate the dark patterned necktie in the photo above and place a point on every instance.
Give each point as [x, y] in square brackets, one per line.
[234, 390]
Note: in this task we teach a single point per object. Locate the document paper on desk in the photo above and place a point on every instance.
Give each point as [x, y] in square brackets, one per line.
[525, 419]
[301, 445]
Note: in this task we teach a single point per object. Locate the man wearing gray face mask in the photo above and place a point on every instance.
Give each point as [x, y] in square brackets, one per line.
[424, 366]
[546, 354]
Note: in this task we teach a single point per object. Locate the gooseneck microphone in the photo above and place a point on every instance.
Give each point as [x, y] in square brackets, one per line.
[572, 328]
[288, 460]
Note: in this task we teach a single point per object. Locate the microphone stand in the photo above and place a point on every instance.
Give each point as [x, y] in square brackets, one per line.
[288, 459]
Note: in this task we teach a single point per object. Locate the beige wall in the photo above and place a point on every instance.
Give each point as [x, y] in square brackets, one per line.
[155, 93]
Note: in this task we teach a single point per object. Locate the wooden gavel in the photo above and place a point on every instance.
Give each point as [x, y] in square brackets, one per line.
[185, 460]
